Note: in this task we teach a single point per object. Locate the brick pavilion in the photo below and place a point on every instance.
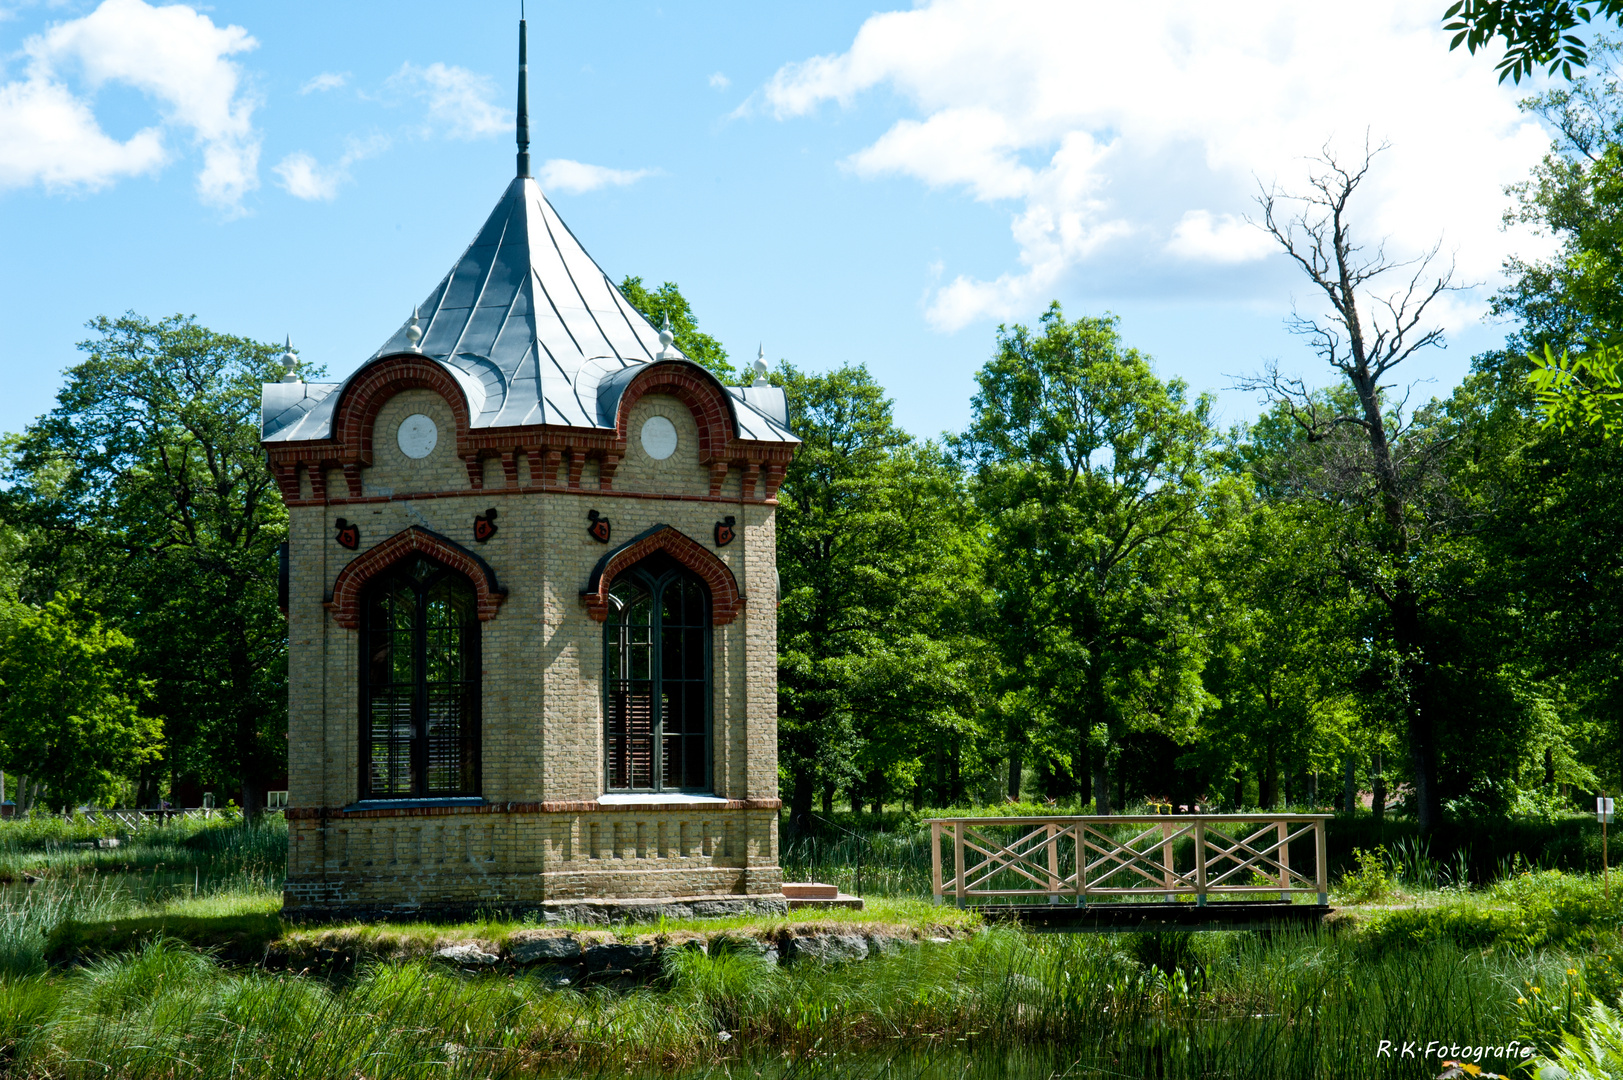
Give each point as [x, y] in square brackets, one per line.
[530, 585]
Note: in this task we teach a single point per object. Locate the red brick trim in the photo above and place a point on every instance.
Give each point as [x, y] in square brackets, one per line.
[725, 601]
[363, 398]
[345, 604]
[692, 386]
[317, 813]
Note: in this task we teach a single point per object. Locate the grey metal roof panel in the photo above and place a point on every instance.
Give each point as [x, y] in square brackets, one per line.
[761, 413]
[531, 328]
[290, 412]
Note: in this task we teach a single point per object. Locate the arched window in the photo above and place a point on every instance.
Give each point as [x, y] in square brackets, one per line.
[420, 684]
[656, 648]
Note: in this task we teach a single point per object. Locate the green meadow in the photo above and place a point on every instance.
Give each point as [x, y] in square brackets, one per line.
[167, 957]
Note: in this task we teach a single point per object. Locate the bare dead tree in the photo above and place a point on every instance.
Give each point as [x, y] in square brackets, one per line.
[1376, 319]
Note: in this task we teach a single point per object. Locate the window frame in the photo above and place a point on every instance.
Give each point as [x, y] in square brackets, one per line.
[472, 661]
[654, 574]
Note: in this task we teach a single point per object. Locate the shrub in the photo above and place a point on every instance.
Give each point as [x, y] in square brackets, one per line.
[1371, 879]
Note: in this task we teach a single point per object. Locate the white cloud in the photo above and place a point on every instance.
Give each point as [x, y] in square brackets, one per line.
[303, 177]
[327, 80]
[176, 56]
[574, 177]
[1102, 121]
[718, 81]
[1224, 238]
[459, 101]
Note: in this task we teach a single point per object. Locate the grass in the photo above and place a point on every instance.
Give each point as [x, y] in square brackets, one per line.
[1215, 1005]
[100, 979]
[47, 846]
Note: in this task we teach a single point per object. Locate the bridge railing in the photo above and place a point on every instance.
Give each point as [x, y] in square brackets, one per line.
[1080, 859]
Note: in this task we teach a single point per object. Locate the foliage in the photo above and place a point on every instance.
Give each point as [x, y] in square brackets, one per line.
[1371, 881]
[1535, 32]
[879, 653]
[667, 302]
[69, 711]
[145, 489]
[1095, 479]
[1580, 391]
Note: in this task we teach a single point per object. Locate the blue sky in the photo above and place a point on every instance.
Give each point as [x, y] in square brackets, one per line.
[842, 184]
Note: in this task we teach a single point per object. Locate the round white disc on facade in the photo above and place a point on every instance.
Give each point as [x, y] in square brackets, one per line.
[417, 436]
[658, 438]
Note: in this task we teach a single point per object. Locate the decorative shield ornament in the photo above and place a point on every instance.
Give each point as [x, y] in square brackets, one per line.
[725, 531]
[349, 535]
[598, 526]
[484, 525]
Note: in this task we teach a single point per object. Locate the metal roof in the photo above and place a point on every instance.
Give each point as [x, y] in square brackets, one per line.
[533, 331]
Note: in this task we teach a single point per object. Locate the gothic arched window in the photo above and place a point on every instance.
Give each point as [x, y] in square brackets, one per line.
[656, 649]
[420, 684]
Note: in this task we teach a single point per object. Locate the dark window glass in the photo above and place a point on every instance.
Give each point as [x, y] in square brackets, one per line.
[420, 692]
[657, 679]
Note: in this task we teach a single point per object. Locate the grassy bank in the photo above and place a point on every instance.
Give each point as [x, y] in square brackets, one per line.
[1212, 1005]
[206, 979]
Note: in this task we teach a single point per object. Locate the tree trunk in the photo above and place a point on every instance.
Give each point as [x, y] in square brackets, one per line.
[800, 802]
[1268, 780]
[1101, 785]
[1082, 770]
[1239, 791]
[1379, 786]
[1349, 786]
[1549, 767]
[1016, 766]
[249, 756]
[828, 800]
[1121, 789]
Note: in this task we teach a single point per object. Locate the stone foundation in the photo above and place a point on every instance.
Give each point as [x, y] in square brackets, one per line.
[455, 861]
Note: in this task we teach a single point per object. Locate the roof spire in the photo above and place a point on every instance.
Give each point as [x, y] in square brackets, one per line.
[523, 100]
[760, 367]
[414, 333]
[665, 339]
[290, 363]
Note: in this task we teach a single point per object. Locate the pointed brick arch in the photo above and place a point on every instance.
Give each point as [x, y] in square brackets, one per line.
[345, 604]
[725, 600]
[694, 387]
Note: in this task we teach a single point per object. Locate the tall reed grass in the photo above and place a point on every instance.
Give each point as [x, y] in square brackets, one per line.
[1219, 1005]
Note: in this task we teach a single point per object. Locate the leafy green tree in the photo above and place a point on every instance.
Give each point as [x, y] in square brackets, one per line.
[71, 714]
[1095, 479]
[667, 301]
[878, 553]
[146, 489]
[1284, 652]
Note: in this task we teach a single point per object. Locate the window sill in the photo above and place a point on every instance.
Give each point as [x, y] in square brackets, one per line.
[658, 798]
[405, 804]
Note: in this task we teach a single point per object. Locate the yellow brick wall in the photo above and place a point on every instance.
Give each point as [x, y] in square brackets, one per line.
[542, 722]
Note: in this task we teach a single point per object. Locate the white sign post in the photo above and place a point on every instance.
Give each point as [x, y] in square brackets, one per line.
[1603, 814]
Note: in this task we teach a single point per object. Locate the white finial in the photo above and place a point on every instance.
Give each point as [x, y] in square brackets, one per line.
[760, 367]
[290, 362]
[414, 333]
[665, 339]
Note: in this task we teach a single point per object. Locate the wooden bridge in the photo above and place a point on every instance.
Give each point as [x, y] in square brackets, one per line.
[1085, 873]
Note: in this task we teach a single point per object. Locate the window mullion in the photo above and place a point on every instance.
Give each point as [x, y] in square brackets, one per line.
[419, 694]
[656, 672]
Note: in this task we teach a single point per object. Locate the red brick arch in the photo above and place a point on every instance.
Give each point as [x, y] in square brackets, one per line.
[357, 412]
[692, 386]
[725, 601]
[345, 604]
